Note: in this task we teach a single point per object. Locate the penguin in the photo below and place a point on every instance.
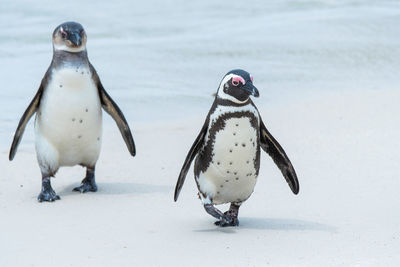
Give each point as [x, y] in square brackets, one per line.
[227, 150]
[68, 107]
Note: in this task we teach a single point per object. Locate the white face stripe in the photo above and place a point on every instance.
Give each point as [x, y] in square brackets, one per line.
[69, 49]
[224, 95]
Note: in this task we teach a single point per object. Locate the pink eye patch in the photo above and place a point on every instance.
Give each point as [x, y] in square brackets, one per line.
[63, 32]
[237, 79]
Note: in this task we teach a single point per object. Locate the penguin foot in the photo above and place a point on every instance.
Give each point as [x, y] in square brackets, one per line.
[224, 218]
[231, 215]
[87, 185]
[47, 193]
[227, 222]
[230, 219]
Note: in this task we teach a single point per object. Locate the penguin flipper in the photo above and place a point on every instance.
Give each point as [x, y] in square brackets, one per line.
[114, 111]
[30, 110]
[269, 144]
[189, 158]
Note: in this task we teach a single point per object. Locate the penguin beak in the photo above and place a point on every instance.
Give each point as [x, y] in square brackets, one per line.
[75, 38]
[251, 89]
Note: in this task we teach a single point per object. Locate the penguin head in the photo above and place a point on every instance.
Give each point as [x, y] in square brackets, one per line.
[237, 86]
[70, 37]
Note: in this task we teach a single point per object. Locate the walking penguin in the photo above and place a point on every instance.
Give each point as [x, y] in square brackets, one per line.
[227, 150]
[68, 122]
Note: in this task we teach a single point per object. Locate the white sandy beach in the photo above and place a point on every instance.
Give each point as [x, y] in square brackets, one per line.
[327, 72]
[344, 147]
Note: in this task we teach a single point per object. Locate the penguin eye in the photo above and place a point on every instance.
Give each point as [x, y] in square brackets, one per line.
[236, 80]
[63, 33]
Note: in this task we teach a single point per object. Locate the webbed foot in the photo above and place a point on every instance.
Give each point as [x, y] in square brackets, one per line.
[47, 193]
[230, 217]
[88, 184]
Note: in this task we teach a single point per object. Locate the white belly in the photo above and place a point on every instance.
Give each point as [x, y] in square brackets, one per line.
[231, 175]
[69, 119]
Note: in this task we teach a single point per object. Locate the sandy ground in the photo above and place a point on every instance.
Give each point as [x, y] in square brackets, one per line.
[344, 147]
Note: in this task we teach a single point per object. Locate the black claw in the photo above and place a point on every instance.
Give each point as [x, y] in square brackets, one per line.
[230, 217]
[48, 197]
[87, 185]
[47, 193]
[225, 222]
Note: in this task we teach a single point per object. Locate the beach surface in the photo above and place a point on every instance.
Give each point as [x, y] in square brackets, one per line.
[343, 146]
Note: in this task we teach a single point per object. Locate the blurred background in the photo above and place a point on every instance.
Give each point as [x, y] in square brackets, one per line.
[163, 60]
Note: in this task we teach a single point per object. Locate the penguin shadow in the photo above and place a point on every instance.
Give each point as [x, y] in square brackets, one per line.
[283, 224]
[121, 189]
[274, 224]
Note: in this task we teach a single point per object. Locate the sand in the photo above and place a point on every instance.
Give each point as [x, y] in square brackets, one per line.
[344, 147]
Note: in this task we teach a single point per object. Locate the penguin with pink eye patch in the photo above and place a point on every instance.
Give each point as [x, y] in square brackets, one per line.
[227, 150]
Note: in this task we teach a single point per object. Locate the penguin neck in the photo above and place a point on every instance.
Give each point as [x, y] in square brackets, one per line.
[227, 102]
[63, 58]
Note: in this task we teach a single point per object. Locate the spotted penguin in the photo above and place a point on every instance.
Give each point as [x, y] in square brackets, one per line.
[227, 150]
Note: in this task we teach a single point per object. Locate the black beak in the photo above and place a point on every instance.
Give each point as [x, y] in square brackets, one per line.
[251, 89]
[75, 38]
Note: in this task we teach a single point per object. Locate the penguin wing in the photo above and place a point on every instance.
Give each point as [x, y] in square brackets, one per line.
[113, 110]
[194, 150]
[31, 109]
[269, 144]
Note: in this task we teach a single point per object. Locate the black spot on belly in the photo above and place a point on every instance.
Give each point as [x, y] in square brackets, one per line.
[79, 136]
[218, 162]
[73, 119]
[80, 121]
[205, 155]
[86, 110]
[237, 178]
[61, 85]
[226, 181]
[235, 173]
[248, 162]
[237, 124]
[82, 72]
[230, 150]
[221, 186]
[227, 172]
[230, 163]
[98, 138]
[243, 145]
[234, 133]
